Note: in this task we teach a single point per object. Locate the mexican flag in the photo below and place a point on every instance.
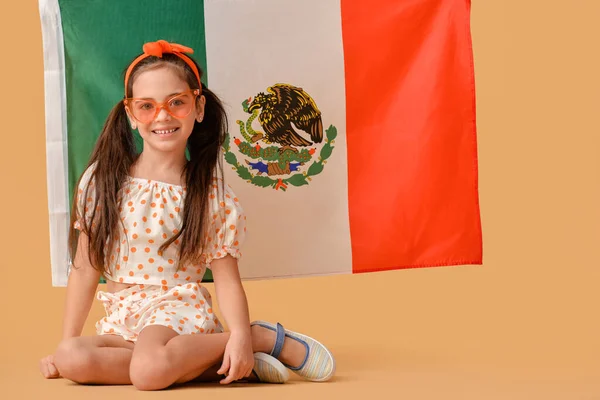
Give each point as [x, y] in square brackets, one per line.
[352, 142]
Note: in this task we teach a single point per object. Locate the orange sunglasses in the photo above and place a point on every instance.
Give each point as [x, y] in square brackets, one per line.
[178, 106]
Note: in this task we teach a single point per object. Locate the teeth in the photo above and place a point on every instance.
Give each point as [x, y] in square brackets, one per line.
[165, 132]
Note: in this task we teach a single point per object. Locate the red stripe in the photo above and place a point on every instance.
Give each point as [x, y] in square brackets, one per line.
[412, 151]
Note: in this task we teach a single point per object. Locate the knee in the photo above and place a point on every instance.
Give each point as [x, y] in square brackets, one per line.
[73, 360]
[150, 371]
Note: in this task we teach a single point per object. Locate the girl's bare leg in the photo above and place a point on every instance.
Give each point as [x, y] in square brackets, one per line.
[95, 359]
[105, 360]
[161, 357]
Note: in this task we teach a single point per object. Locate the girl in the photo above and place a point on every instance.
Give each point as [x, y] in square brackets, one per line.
[151, 223]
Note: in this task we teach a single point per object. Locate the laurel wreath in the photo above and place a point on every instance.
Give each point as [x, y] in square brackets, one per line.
[297, 179]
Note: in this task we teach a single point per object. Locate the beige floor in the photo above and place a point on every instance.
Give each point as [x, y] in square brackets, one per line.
[433, 335]
[524, 325]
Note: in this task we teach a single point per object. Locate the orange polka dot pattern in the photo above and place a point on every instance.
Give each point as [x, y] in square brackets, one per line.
[187, 309]
[152, 212]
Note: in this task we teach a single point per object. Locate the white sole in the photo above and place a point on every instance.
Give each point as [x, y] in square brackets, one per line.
[272, 361]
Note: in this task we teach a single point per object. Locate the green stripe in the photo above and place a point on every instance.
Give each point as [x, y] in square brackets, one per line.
[101, 38]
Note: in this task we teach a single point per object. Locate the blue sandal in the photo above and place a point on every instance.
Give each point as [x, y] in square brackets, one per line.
[318, 365]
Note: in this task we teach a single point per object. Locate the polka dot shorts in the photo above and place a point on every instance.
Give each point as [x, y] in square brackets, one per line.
[185, 308]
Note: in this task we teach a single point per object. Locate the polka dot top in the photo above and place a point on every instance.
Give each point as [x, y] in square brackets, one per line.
[151, 212]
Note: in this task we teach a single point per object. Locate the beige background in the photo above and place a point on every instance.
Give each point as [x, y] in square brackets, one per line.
[523, 326]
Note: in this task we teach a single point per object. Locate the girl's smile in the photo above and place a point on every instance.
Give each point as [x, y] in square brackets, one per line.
[165, 132]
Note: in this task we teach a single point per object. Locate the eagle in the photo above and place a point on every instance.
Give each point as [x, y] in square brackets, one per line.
[282, 106]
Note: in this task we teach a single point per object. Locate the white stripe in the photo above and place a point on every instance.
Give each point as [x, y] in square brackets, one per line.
[56, 139]
[252, 45]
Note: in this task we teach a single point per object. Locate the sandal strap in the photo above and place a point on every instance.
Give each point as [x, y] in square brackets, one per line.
[307, 347]
[280, 332]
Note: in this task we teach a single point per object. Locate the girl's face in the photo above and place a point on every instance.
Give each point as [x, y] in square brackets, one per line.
[165, 132]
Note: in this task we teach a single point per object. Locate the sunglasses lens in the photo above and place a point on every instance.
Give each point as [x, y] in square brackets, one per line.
[143, 111]
[181, 106]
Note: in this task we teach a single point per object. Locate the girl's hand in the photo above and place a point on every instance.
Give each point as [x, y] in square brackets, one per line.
[48, 369]
[238, 360]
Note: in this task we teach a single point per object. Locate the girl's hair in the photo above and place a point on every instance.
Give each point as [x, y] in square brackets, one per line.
[114, 155]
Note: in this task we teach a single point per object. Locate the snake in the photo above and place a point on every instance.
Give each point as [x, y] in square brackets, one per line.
[249, 132]
[243, 131]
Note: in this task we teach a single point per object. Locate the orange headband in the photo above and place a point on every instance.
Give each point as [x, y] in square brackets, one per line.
[157, 49]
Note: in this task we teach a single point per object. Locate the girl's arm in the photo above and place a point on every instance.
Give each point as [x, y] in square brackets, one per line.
[238, 359]
[231, 295]
[81, 287]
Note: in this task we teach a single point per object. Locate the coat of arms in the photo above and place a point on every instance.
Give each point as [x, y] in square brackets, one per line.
[284, 152]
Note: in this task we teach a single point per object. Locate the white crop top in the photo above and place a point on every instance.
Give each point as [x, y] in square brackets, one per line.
[151, 212]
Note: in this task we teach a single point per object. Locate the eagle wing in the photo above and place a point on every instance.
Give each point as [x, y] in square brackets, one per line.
[279, 129]
[299, 108]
